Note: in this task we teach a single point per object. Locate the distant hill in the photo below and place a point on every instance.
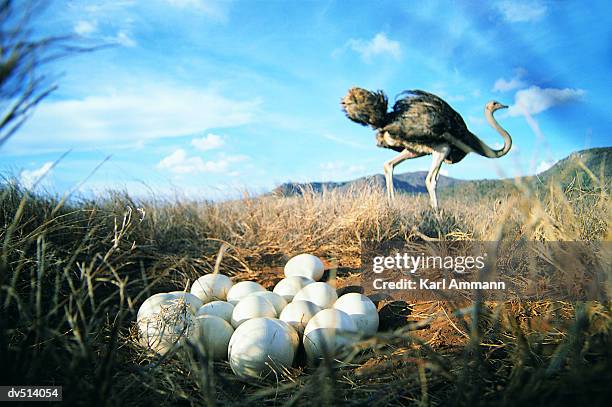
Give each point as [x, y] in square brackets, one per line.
[409, 182]
[565, 172]
[597, 160]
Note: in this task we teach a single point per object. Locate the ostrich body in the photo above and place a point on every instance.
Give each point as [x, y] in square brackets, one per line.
[420, 124]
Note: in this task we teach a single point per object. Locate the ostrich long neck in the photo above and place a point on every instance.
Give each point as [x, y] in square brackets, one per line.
[488, 151]
[478, 146]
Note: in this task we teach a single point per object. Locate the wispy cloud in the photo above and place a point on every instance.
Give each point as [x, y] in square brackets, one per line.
[208, 142]
[144, 112]
[179, 162]
[379, 45]
[522, 11]
[535, 100]
[109, 21]
[84, 27]
[123, 38]
[29, 177]
[345, 141]
[504, 85]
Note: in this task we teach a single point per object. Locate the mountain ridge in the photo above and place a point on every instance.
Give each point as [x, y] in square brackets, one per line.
[564, 171]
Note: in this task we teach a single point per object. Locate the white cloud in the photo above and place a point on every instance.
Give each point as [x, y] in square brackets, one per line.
[208, 142]
[522, 11]
[503, 85]
[84, 27]
[30, 177]
[144, 111]
[544, 165]
[180, 163]
[379, 45]
[534, 100]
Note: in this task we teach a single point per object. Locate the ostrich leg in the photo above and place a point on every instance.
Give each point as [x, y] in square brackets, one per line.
[438, 156]
[389, 165]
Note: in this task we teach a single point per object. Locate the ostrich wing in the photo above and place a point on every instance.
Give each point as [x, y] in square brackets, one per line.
[420, 96]
[423, 117]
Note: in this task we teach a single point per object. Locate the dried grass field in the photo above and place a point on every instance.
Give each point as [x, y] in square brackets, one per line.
[74, 272]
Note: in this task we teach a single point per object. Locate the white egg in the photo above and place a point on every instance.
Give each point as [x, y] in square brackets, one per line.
[252, 307]
[293, 334]
[305, 265]
[260, 346]
[191, 300]
[298, 313]
[327, 332]
[211, 287]
[276, 300]
[166, 326]
[213, 335]
[322, 294]
[241, 290]
[153, 303]
[289, 286]
[361, 310]
[219, 309]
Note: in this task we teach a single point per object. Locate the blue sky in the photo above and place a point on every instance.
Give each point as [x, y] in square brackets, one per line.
[206, 98]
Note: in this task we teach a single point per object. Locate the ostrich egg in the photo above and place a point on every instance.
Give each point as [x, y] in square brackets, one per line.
[213, 335]
[219, 309]
[322, 294]
[193, 302]
[241, 290]
[293, 335]
[298, 313]
[259, 346]
[165, 327]
[288, 287]
[276, 300]
[211, 287]
[153, 304]
[305, 265]
[327, 332]
[252, 307]
[361, 310]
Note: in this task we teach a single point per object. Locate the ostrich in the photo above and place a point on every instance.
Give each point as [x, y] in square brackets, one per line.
[420, 124]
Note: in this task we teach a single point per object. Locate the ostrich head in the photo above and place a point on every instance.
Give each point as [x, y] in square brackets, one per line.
[365, 107]
[494, 105]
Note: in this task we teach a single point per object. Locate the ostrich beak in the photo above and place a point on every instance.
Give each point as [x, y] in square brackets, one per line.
[503, 106]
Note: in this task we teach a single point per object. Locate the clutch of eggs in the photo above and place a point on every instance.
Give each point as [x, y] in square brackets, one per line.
[257, 330]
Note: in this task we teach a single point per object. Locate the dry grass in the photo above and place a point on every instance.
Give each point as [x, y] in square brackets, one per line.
[72, 276]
